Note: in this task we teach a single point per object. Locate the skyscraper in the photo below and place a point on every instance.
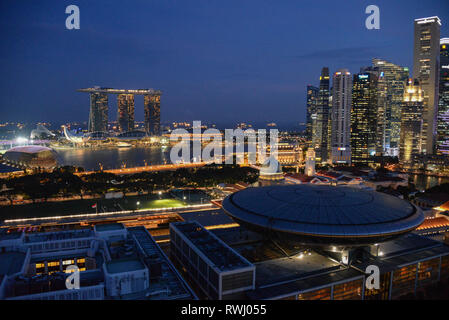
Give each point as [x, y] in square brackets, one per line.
[152, 108]
[312, 99]
[411, 122]
[341, 117]
[393, 79]
[98, 116]
[426, 70]
[320, 139]
[364, 116]
[443, 104]
[125, 117]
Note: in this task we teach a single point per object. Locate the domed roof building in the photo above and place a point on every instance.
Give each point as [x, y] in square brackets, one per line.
[31, 157]
[270, 173]
[323, 215]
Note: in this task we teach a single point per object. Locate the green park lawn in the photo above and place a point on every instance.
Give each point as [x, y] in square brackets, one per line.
[161, 203]
[64, 208]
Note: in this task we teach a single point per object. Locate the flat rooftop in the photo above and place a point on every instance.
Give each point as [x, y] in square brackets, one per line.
[208, 218]
[109, 227]
[287, 269]
[120, 91]
[9, 235]
[59, 235]
[406, 244]
[53, 282]
[219, 254]
[411, 248]
[124, 265]
[11, 262]
[408, 249]
[167, 283]
[303, 284]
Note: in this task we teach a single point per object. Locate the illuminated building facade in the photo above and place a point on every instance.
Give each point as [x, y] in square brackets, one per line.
[364, 117]
[394, 78]
[98, 116]
[270, 173]
[309, 169]
[114, 263]
[152, 107]
[443, 104]
[408, 264]
[215, 268]
[125, 114]
[341, 117]
[412, 122]
[312, 99]
[288, 153]
[321, 136]
[426, 70]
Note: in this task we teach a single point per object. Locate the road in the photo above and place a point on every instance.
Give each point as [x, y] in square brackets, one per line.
[159, 167]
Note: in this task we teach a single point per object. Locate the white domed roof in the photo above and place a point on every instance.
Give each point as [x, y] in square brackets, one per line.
[271, 166]
[29, 149]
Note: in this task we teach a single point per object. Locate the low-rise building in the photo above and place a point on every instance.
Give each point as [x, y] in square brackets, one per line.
[114, 262]
[215, 268]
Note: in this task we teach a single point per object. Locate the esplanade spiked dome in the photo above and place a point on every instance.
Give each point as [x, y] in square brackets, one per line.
[323, 215]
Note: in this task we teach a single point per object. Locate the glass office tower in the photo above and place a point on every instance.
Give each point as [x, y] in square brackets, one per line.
[364, 117]
[443, 104]
[321, 137]
[426, 70]
[312, 99]
[395, 79]
[411, 122]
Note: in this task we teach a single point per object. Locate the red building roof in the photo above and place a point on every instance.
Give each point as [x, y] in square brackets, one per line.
[434, 223]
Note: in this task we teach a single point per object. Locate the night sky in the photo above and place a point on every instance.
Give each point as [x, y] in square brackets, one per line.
[219, 61]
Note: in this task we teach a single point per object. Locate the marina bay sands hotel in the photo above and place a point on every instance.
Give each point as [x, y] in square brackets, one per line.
[98, 117]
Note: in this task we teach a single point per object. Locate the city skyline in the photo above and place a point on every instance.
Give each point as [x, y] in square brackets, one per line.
[248, 75]
[240, 150]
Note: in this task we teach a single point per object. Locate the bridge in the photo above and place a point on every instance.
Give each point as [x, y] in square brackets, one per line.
[121, 171]
[151, 168]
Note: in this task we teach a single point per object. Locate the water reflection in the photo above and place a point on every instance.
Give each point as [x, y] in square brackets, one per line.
[423, 182]
[113, 158]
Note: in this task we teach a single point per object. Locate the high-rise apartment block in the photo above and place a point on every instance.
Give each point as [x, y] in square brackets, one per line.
[152, 108]
[125, 112]
[98, 116]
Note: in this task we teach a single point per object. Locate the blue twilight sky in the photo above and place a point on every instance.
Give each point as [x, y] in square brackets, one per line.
[220, 61]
